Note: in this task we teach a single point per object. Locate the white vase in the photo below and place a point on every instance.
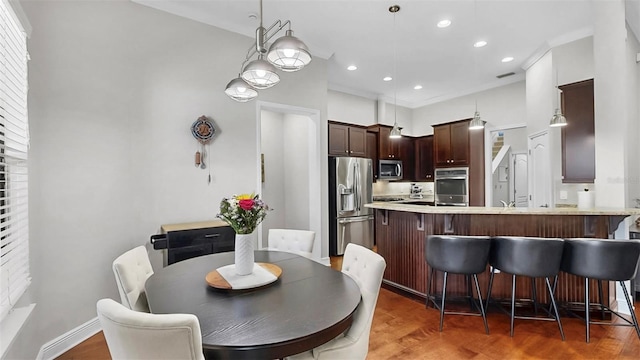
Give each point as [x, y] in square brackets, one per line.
[244, 253]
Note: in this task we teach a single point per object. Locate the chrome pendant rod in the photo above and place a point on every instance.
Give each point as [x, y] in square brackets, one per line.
[262, 33]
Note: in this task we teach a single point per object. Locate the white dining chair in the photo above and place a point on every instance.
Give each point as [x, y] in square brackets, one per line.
[132, 269]
[137, 335]
[366, 268]
[295, 241]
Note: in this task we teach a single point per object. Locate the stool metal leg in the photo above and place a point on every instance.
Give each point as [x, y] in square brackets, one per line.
[444, 293]
[486, 306]
[469, 291]
[535, 296]
[555, 307]
[429, 280]
[513, 300]
[586, 306]
[482, 311]
[630, 304]
[601, 299]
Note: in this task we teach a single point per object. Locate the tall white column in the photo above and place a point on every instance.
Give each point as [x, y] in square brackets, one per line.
[610, 86]
[609, 50]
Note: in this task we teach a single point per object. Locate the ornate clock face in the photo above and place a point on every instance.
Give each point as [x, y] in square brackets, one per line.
[203, 129]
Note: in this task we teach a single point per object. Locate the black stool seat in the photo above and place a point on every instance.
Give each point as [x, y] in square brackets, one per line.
[465, 255]
[526, 256]
[603, 259]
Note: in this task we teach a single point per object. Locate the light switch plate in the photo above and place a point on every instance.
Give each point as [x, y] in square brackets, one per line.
[563, 195]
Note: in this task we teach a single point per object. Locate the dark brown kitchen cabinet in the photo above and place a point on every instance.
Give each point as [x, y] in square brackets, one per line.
[451, 144]
[424, 158]
[347, 140]
[387, 148]
[454, 145]
[406, 153]
[578, 136]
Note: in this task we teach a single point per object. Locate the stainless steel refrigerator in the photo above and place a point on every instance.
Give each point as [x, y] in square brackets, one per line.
[350, 187]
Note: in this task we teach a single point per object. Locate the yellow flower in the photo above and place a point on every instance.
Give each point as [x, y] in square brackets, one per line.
[244, 196]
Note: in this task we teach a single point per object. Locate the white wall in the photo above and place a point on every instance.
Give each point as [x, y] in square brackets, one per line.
[500, 106]
[357, 110]
[351, 109]
[541, 97]
[114, 88]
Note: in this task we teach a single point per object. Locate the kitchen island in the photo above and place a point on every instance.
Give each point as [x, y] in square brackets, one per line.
[401, 230]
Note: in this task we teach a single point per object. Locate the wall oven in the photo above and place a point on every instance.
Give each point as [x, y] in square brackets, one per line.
[451, 186]
[390, 170]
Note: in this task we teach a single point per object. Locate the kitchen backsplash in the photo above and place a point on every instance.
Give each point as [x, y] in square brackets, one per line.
[382, 188]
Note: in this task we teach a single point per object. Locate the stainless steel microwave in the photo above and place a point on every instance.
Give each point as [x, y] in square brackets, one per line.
[390, 170]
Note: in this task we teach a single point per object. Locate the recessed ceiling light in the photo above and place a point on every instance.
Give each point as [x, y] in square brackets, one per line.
[417, 87]
[352, 67]
[507, 59]
[387, 78]
[480, 43]
[444, 23]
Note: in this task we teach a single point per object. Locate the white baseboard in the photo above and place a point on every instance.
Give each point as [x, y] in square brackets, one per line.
[325, 261]
[68, 340]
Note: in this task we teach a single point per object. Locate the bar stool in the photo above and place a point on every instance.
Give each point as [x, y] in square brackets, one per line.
[603, 259]
[458, 255]
[526, 256]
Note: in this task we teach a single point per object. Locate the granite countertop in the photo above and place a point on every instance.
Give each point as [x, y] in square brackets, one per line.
[192, 225]
[425, 209]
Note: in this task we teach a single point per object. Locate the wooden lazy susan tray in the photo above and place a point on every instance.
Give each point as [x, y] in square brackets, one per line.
[226, 278]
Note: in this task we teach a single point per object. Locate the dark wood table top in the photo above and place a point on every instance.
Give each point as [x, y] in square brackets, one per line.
[309, 305]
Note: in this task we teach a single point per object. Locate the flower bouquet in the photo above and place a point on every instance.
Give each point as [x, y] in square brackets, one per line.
[243, 213]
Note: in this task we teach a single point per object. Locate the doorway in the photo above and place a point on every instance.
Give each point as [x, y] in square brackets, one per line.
[289, 170]
[504, 143]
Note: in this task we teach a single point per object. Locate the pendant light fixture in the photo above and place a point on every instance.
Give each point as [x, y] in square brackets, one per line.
[396, 131]
[240, 91]
[476, 123]
[558, 120]
[288, 53]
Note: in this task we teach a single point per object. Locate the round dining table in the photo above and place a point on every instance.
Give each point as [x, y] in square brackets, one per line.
[307, 306]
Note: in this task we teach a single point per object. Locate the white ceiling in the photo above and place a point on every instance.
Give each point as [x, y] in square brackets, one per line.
[443, 61]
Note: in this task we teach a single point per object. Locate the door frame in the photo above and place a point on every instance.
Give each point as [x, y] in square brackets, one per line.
[314, 198]
[488, 177]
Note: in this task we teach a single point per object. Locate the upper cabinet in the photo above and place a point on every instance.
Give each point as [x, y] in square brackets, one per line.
[578, 136]
[387, 148]
[451, 144]
[424, 158]
[347, 140]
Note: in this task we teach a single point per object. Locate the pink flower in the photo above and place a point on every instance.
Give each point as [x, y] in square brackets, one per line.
[246, 204]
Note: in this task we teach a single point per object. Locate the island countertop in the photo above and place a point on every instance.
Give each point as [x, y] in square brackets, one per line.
[480, 210]
[402, 230]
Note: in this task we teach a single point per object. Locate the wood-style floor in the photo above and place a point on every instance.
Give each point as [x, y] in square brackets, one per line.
[404, 329]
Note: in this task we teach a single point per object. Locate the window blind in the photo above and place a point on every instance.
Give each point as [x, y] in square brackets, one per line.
[14, 142]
